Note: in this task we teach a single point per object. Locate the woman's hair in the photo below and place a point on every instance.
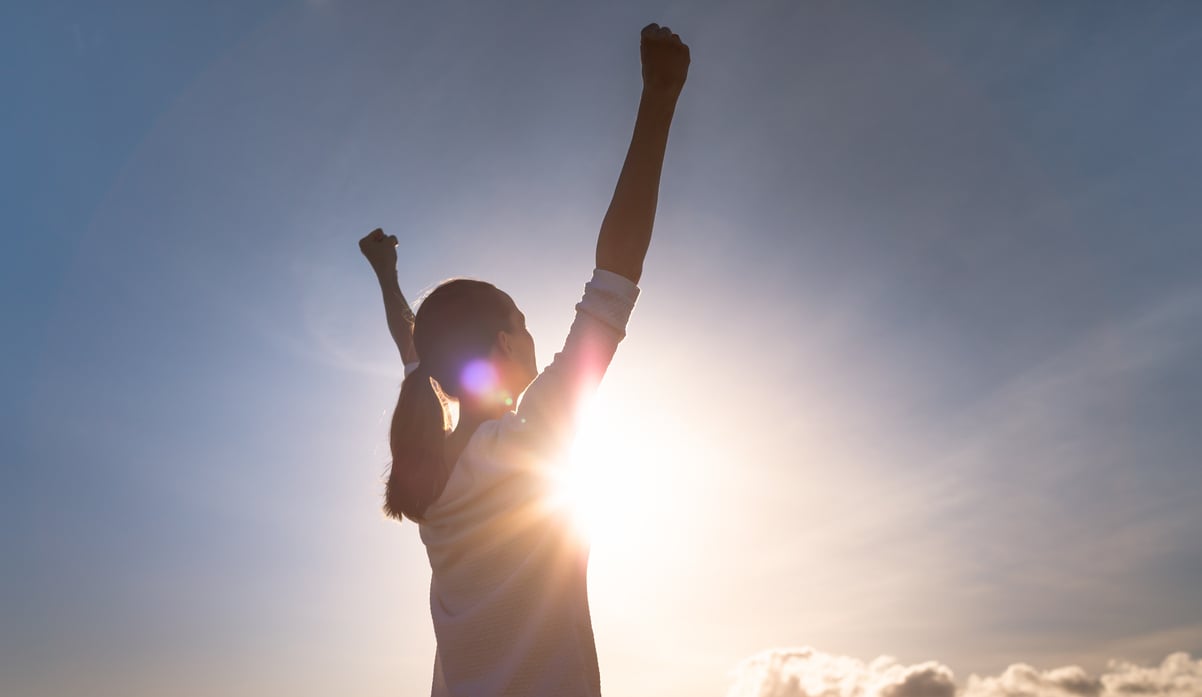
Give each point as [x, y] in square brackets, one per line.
[455, 325]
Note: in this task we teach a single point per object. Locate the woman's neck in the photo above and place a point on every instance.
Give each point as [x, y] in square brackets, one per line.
[471, 416]
[469, 420]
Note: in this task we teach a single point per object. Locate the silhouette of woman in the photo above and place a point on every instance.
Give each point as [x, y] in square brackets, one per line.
[507, 592]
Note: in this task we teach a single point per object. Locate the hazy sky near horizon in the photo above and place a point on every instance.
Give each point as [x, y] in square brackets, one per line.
[916, 369]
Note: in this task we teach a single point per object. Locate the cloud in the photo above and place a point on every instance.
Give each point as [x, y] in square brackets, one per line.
[1021, 680]
[806, 672]
[1177, 676]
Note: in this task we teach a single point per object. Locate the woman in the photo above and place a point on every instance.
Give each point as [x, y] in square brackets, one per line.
[507, 592]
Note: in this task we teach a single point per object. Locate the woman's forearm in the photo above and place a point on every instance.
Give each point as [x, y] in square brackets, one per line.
[626, 230]
[380, 251]
[399, 316]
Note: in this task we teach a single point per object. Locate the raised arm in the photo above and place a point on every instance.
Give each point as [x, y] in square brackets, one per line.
[626, 229]
[380, 251]
[547, 414]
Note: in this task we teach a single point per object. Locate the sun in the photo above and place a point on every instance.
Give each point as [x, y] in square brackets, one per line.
[614, 480]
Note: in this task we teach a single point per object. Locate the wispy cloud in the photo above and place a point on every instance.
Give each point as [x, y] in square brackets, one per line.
[1073, 483]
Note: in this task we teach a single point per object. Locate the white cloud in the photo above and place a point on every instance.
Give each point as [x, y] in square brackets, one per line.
[1021, 680]
[1177, 676]
[805, 672]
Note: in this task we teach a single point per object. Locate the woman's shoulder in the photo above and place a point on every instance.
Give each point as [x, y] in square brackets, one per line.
[491, 438]
[504, 445]
[488, 443]
[491, 460]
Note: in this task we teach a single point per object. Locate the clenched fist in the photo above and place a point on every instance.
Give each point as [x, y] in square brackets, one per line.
[665, 60]
[380, 250]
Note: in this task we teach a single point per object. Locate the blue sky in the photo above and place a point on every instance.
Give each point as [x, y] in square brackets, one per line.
[915, 370]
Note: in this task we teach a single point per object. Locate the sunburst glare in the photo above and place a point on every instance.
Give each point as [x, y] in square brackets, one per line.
[614, 480]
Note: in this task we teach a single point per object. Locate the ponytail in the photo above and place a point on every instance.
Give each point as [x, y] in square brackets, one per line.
[457, 323]
[419, 426]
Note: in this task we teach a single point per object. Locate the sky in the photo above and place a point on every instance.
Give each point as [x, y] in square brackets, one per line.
[908, 405]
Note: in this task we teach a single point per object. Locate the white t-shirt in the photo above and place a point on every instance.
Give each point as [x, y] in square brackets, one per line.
[508, 592]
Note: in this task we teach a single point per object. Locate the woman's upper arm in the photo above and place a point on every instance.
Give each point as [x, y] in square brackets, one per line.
[551, 405]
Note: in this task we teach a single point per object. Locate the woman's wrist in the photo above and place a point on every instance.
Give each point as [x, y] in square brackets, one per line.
[660, 96]
[386, 277]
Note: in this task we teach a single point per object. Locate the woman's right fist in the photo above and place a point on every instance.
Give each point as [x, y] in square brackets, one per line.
[665, 60]
[380, 250]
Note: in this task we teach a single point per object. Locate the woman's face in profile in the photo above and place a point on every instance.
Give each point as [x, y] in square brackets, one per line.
[522, 349]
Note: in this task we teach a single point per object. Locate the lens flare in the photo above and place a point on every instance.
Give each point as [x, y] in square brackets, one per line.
[479, 377]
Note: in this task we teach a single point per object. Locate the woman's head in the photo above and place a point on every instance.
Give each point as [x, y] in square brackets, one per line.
[472, 342]
[472, 339]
